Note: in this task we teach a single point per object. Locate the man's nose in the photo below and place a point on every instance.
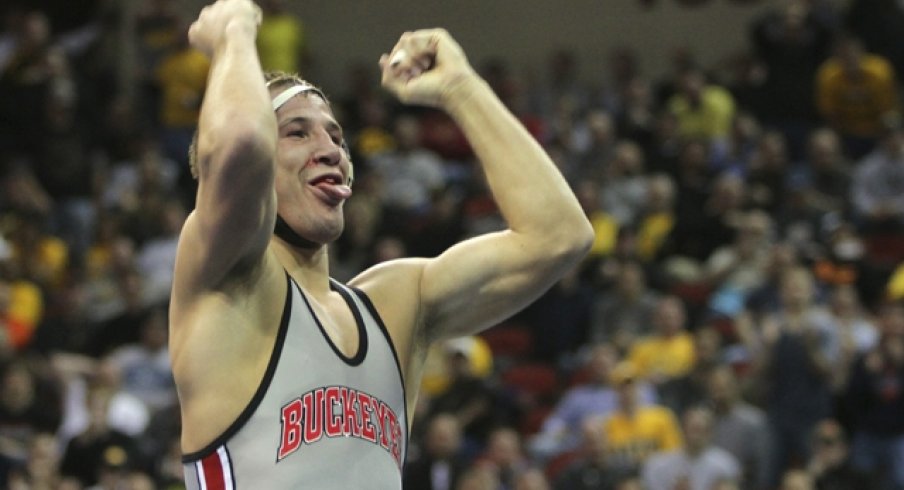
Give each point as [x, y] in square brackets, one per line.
[328, 151]
[328, 155]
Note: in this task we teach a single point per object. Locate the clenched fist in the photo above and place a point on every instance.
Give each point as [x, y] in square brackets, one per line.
[426, 67]
[234, 16]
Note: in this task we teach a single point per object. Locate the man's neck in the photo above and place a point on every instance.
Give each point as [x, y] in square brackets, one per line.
[309, 267]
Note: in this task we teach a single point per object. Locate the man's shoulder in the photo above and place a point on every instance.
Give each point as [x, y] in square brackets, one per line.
[389, 276]
[392, 286]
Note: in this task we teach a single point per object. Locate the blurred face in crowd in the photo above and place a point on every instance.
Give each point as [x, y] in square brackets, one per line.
[697, 429]
[504, 447]
[443, 437]
[603, 358]
[669, 316]
[797, 288]
[723, 388]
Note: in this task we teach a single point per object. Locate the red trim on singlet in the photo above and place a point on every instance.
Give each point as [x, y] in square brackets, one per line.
[213, 472]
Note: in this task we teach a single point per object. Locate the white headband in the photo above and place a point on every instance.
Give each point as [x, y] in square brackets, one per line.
[284, 96]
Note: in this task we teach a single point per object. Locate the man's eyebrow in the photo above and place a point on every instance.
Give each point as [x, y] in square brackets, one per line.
[330, 125]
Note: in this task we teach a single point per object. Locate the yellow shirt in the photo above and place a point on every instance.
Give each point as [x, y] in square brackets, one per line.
[656, 356]
[605, 233]
[26, 304]
[631, 439]
[280, 43]
[652, 233]
[895, 287]
[183, 78]
[711, 119]
[857, 106]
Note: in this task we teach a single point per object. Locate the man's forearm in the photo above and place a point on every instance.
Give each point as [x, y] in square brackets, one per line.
[236, 113]
[529, 190]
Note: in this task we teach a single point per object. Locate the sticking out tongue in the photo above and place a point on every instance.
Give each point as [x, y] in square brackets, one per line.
[336, 191]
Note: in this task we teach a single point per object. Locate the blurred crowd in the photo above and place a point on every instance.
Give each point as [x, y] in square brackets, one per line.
[739, 323]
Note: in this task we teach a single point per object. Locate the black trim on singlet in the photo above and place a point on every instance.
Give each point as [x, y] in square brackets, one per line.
[359, 356]
[243, 417]
[379, 319]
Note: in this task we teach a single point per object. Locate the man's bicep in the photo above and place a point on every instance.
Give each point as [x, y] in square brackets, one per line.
[211, 247]
[482, 281]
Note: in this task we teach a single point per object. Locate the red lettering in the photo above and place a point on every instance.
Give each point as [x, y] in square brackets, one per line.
[291, 429]
[383, 417]
[396, 430]
[313, 415]
[339, 411]
[351, 425]
[333, 412]
[366, 402]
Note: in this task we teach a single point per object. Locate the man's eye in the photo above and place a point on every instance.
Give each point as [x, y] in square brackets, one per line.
[297, 133]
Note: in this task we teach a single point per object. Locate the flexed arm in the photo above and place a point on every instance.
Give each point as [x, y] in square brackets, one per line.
[234, 153]
[479, 282]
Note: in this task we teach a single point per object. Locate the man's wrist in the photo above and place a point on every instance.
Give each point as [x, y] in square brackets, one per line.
[463, 91]
[240, 30]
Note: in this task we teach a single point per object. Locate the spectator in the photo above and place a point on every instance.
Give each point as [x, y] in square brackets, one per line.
[182, 79]
[532, 479]
[894, 288]
[441, 463]
[98, 444]
[467, 397]
[826, 174]
[687, 390]
[35, 71]
[657, 218]
[830, 464]
[855, 331]
[668, 352]
[876, 397]
[480, 477]
[877, 189]
[591, 470]
[567, 304]
[281, 39]
[699, 465]
[796, 479]
[635, 431]
[157, 29]
[856, 92]
[702, 213]
[739, 428]
[791, 42]
[594, 397]
[505, 455]
[156, 256]
[145, 366]
[410, 173]
[702, 110]
[29, 405]
[596, 154]
[767, 173]
[41, 468]
[624, 313]
[624, 190]
[793, 360]
[738, 268]
[635, 119]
